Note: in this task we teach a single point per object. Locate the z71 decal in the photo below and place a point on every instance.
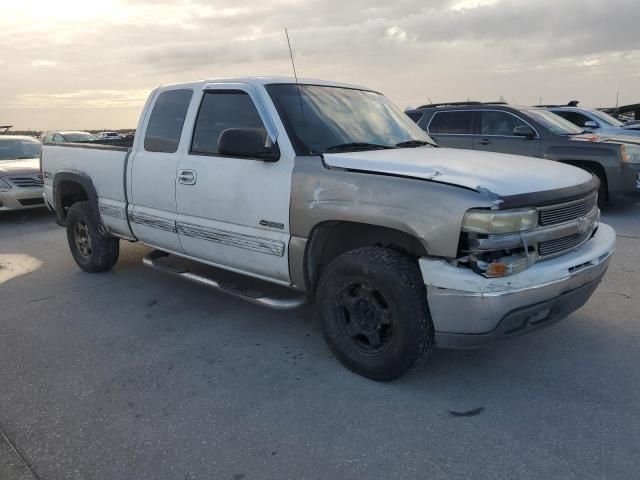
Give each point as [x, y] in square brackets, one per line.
[267, 223]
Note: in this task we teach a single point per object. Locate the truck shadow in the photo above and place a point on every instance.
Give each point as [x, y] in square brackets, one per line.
[18, 217]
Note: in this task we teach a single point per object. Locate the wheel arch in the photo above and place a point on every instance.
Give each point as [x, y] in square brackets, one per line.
[331, 238]
[595, 168]
[70, 187]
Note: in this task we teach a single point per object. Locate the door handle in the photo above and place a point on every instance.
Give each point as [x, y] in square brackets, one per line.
[485, 141]
[187, 177]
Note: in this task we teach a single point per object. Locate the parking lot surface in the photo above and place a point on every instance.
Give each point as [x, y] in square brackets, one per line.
[133, 374]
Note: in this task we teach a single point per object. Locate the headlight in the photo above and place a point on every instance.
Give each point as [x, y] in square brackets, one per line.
[631, 153]
[492, 222]
[4, 184]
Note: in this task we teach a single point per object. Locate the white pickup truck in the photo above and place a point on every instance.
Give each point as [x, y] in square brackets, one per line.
[318, 190]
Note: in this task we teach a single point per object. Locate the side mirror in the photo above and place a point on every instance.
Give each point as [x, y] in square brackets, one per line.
[524, 131]
[247, 143]
[590, 124]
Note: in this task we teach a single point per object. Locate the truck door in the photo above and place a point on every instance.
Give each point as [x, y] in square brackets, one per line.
[234, 212]
[496, 134]
[152, 174]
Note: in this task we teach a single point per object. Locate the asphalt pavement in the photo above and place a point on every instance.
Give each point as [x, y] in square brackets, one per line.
[133, 374]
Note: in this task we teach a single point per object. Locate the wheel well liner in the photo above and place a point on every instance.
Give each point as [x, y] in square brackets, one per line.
[70, 188]
[330, 239]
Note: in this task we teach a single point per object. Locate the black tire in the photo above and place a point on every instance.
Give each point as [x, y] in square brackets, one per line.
[91, 248]
[375, 318]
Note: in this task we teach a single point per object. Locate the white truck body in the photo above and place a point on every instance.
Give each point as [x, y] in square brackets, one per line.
[269, 219]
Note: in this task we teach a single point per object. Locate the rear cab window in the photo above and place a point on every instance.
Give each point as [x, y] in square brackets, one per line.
[452, 123]
[166, 121]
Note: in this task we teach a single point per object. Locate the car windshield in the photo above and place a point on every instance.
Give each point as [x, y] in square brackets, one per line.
[321, 119]
[79, 137]
[606, 118]
[555, 123]
[12, 149]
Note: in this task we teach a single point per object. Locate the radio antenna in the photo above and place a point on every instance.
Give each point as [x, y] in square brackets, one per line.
[295, 75]
[291, 55]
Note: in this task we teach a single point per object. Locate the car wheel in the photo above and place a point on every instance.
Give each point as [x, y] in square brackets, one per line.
[91, 248]
[374, 312]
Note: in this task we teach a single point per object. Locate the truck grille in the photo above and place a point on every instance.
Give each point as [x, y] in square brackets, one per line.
[559, 245]
[26, 181]
[568, 211]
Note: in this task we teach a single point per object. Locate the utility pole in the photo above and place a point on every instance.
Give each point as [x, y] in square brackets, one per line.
[617, 98]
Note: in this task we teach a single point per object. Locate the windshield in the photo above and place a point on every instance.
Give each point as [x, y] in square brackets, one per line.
[555, 123]
[12, 149]
[79, 137]
[338, 119]
[606, 118]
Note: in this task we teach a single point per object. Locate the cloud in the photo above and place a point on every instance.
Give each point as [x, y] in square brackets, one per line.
[43, 63]
[92, 99]
[471, 4]
[447, 49]
[396, 34]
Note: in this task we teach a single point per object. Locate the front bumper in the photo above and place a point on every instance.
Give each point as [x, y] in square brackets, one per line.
[469, 310]
[21, 198]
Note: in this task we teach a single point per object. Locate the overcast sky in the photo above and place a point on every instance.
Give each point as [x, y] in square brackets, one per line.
[90, 63]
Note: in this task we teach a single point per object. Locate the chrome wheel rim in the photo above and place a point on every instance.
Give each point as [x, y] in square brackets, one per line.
[82, 238]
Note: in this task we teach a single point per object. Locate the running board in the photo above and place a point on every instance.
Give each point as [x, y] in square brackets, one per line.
[153, 259]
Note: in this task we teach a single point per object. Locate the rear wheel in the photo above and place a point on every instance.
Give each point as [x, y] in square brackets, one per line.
[374, 312]
[91, 248]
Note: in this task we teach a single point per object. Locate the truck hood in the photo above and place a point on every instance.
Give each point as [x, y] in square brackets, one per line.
[498, 173]
[19, 167]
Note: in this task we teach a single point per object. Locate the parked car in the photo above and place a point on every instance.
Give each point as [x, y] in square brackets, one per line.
[109, 136]
[629, 115]
[593, 121]
[534, 132]
[20, 179]
[68, 137]
[329, 192]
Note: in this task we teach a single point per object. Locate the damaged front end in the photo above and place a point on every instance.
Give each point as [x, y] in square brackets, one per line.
[496, 243]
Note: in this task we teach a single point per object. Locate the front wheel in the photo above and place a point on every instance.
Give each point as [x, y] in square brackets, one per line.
[91, 248]
[374, 312]
[603, 191]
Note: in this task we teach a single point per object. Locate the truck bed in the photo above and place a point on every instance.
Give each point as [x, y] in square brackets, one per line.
[103, 165]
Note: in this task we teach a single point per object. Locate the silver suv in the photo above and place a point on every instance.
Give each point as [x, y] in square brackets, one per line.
[593, 121]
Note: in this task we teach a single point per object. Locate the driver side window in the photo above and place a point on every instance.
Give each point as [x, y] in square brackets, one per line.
[221, 110]
[499, 123]
[576, 118]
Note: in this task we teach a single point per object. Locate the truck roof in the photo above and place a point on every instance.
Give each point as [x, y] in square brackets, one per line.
[260, 81]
